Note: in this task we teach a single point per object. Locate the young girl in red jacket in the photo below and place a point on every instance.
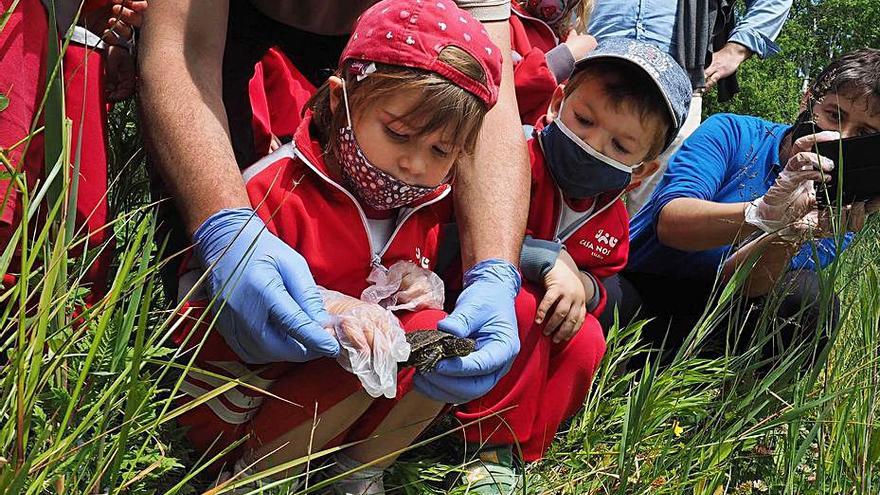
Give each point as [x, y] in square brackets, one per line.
[620, 109]
[545, 46]
[364, 184]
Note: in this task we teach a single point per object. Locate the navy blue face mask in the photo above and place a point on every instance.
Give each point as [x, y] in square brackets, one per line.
[578, 169]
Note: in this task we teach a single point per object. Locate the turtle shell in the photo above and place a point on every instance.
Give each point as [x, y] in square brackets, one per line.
[421, 339]
[427, 347]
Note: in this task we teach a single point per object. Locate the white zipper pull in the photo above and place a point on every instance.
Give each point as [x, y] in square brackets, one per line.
[377, 261]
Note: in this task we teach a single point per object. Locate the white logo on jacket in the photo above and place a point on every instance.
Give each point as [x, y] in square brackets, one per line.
[601, 245]
[422, 261]
[606, 238]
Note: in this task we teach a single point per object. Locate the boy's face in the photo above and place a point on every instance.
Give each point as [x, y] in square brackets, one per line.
[849, 116]
[615, 129]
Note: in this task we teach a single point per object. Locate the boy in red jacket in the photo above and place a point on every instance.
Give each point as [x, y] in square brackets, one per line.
[620, 109]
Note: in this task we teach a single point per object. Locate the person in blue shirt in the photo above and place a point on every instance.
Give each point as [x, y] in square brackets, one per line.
[654, 21]
[704, 37]
[740, 186]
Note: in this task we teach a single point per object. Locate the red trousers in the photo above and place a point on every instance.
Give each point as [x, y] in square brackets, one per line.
[547, 384]
[312, 388]
[23, 67]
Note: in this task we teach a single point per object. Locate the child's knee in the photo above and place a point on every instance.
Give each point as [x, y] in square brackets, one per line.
[526, 304]
[588, 346]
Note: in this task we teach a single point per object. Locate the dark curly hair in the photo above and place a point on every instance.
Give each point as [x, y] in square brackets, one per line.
[855, 75]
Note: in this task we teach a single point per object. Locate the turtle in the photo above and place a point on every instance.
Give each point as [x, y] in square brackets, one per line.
[429, 346]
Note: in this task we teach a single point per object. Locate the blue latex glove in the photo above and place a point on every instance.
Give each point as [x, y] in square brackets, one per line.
[484, 312]
[270, 308]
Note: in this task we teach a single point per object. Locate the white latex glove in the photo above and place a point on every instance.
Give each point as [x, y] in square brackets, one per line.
[792, 196]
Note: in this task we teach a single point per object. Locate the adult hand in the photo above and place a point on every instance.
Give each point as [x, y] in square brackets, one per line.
[580, 44]
[564, 299]
[725, 62]
[270, 308]
[484, 312]
[792, 195]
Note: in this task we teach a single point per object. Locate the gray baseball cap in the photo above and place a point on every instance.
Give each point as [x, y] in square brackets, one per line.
[672, 81]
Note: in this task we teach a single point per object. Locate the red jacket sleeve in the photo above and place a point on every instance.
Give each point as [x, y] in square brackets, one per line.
[534, 83]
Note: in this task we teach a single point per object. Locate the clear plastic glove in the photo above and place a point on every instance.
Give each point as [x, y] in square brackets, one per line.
[372, 341]
[404, 286]
[484, 312]
[828, 222]
[792, 195]
[270, 308]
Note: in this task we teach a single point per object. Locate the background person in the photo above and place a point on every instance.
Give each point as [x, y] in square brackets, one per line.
[97, 70]
[706, 40]
[545, 44]
[741, 186]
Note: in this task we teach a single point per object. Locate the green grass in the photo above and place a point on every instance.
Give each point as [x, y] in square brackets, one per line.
[86, 405]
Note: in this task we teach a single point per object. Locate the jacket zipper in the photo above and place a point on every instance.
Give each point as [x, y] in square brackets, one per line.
[375, 258]
[582, 222]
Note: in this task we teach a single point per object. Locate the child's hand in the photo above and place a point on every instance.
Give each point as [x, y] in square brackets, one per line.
[565, 294]
[120, 78]
[274, 143]
[580, 44]
[130, 12]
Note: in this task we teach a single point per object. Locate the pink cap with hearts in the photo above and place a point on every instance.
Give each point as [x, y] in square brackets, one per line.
[412, 33]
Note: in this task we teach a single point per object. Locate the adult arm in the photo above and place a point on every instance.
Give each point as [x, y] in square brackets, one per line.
[693, 225]
[181, 57]
[760, 26]
[690, 224]
[269, 307]
[772, 256]
[492, 191]
[775, 254]
[755, 33]
[491, 204]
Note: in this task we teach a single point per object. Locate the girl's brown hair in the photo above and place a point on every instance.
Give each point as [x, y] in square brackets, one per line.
[443, 103]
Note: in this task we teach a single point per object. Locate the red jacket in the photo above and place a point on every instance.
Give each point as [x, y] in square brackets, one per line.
[294, 194]
[278, 93]
[530, 39]
[600, 245]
